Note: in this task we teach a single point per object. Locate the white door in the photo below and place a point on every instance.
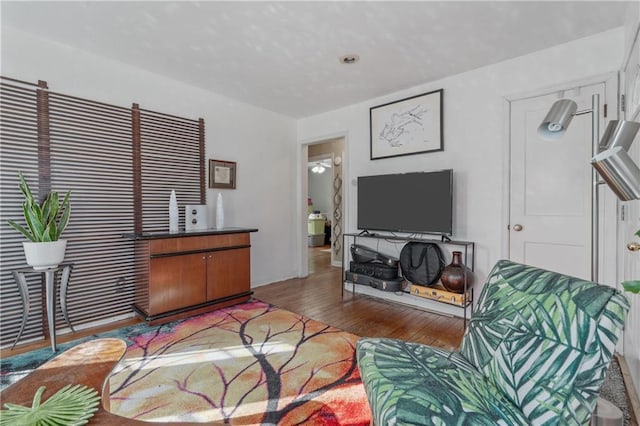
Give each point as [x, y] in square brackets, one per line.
[631, 271]
[630, 265]
[550, 193]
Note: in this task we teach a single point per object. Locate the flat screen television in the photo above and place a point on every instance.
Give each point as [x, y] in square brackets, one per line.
[410, 202]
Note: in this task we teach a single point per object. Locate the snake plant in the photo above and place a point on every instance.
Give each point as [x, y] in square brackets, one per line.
[43, 224]
[71, 405]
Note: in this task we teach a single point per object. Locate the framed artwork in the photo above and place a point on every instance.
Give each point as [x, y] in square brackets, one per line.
[406, 127]
[222, 174]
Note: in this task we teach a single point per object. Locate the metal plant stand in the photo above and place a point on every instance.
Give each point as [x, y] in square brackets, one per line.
[50, 293]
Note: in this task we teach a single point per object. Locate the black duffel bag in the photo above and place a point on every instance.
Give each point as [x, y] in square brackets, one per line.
[421, 263]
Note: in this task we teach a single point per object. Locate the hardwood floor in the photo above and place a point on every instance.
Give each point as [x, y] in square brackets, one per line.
[319, 297]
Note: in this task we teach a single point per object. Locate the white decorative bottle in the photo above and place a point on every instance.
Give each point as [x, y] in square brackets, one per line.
[219, 212]
[173, 213]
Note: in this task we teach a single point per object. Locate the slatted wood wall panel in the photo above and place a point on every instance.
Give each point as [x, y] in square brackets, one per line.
[120, 165]
[18, 152]
[91, 154]
[164, 137]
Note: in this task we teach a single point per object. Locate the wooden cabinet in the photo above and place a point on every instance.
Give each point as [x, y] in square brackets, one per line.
[180, 275]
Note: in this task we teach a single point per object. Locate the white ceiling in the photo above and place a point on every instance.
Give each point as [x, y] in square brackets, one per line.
[283, 56]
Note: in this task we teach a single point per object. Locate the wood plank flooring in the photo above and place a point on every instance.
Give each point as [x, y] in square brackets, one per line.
[319, 297]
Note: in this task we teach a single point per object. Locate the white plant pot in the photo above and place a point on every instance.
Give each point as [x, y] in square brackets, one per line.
[44, 255]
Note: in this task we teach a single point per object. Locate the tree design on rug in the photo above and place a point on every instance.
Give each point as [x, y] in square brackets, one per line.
[248, 364]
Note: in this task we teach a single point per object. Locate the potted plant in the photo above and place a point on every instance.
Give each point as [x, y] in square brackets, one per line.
[634, 285]
[44, 224]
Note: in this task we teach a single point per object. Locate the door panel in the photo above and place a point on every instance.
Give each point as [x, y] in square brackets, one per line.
[176, 282]
[551, 187]
[228, 273]
[570, 257]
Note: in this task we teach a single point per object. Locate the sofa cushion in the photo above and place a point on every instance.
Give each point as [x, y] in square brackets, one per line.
[412, 384]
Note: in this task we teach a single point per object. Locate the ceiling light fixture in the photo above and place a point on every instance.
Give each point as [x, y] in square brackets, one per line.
[349, 59]
[318, 168]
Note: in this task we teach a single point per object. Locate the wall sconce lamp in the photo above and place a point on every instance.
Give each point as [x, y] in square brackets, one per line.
[609, 157]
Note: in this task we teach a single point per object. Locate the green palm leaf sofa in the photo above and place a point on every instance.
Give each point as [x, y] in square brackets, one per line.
[536, 351]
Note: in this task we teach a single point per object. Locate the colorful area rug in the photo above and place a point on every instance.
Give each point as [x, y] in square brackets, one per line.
[247, 364]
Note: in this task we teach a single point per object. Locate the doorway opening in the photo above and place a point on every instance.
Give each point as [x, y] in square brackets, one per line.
[323, 215]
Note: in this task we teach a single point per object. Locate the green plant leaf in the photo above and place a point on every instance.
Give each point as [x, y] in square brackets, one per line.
[22, 230]
[632, 286]
[50, 208]
[24, 187]
[34, 221]
[71, 405]
[42, 221]
[66, 213]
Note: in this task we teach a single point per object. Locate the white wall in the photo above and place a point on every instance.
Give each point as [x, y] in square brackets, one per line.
[259, 141]
[475, 140]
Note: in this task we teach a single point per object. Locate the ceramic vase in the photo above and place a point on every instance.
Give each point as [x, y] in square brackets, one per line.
[453, 275]
[173, 213]
[219, 212]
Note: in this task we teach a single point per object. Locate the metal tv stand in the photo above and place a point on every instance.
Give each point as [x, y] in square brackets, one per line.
[435, 293]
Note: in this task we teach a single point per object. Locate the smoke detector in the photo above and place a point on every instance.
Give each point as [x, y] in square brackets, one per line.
[349, 59]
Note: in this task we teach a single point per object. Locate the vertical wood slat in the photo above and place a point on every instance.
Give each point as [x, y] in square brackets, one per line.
[137, 168]
[202, 163]
[44, 148]
[44, 173]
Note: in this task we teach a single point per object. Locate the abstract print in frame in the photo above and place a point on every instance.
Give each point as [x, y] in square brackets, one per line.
[408, 126]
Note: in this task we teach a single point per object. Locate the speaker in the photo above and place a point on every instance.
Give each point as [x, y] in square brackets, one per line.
[195, 217]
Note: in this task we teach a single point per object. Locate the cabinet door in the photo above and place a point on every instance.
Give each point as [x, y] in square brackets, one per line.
[176, 282]
[228, 273]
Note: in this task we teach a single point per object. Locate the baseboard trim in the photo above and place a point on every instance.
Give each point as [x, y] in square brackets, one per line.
[632, 395]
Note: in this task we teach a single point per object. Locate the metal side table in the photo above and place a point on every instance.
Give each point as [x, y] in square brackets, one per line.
[50, 291]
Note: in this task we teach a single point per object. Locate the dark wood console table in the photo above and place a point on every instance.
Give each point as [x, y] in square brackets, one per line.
[187, 273]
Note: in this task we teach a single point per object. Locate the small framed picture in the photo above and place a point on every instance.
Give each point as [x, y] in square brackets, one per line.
[222, 174]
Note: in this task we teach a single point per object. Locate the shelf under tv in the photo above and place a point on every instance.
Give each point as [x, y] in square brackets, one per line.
[435, 298]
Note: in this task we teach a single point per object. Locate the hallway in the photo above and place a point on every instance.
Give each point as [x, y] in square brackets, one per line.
[319, 259]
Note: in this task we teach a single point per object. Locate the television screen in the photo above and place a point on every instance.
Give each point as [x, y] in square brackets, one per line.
[410, 202]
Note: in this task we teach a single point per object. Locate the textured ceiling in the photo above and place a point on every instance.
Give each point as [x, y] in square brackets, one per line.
[283, 56]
